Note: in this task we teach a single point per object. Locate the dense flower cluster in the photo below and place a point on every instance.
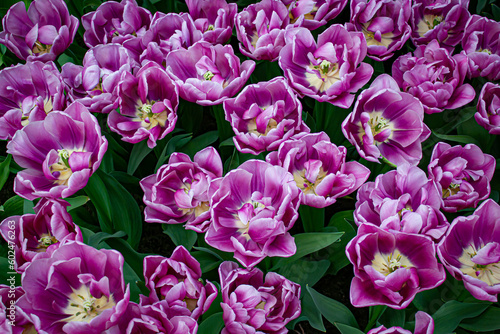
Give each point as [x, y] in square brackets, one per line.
[138, 81]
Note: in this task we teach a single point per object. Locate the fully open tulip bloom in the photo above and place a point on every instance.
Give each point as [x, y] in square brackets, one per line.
[319, 168]
[441, 20]
[214, 18]
[44, 231]
[264, 115]
[390, 267]
[59, 153]
[313, 14]
[329, 71]
[42, 33]
[480, 43]
[260, 28]
[148, 105]
[115, 22]
[387, 123]
[76, 289]
[471, 251]
[252, 304]
[488, 108]
[384, 24]
[434, 77]
[95, 83]
[462, 174]
[252, 211]
[180, 191]
[402, 200]
[424, 324]
[13, 320]
[177, 282]
[208, 74]
[28, 93]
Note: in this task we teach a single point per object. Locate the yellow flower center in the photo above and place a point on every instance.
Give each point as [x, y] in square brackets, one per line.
[323, 76]
[148, 118]
[487, 273]
[82, 306]
[389, 263]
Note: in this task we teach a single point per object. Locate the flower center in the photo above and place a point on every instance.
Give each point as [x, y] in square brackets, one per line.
[210, 27]
[148, 118]
[208, 75]
[308, 186]
[322, 76]
[489, 273]
[82, 306]
[453, 189]
[485, 51]
[389, 263]
[245, 214]
[429, 22]
[45, 241]
[62, 167]
[385, 39]
[252, 127]
[39, 48]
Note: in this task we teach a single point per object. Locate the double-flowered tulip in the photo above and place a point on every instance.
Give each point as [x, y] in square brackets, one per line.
[488, 108]
[214, 18]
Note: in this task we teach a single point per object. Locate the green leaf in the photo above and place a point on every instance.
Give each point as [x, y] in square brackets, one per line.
[227, 142]
[98, 194]
[332, 310]
[199, 143]
[212, 325]
[76, 202]
[305, 272]
[463, 139]
[311, 312]
[308, 243]
[97, 238]
[392, 317]
[172, 145]
[223, 126]
[207, 260]
[13, 207]
[344, 329]
[180, 236]
[375, 313]
[487, 321]
[4, 170]
[496, 12]
[28, 206]
[329, 119]
[447, 318]
[480, 6]
[340, 223]
[131, 256]
[313, 219]
[139, 152]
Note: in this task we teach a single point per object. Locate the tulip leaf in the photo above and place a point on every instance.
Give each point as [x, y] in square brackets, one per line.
[134, 259]
[99, 237]
[305, 272]
[171, 147]
[212, 325]
[392, 317]
[98, 194]
[449, 315]
[76, 202]
[139, 152]
[207, 260]
[463, 139]
[496, 12]
[28, 207]
[180, 236]
[329, 119]
[197, 144]
[487, 321]
[480, 5]
[5, 170]
[311, 312]
[223, 126]
[344, 329]
[308, 243]
[12, 207]
[313, 219]
[332, 310]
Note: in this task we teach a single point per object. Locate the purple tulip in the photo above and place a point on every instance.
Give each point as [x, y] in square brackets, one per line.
[177, 282]
[207, 74]
[313, 14]
[424, 324]
[148, 105]
[13, 320]
[153, 319]
[327, 71]
[44, 231]
[76, 289]
[252, 304]
[471, 251]
[391, 267]
[28, 93]
[462, 174]
[180, 191]
[434, 77]
[215, 18]
[387, 123]
[488, 108]
[384, 24]
[480, 43]
[264, 115]
[441, 20]
[42, 33]
[95, 83]
[166, 33]
[252, 211]
[402, 200]
[260, 28]
[115, 22]
[59, 153]
[319, 168]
